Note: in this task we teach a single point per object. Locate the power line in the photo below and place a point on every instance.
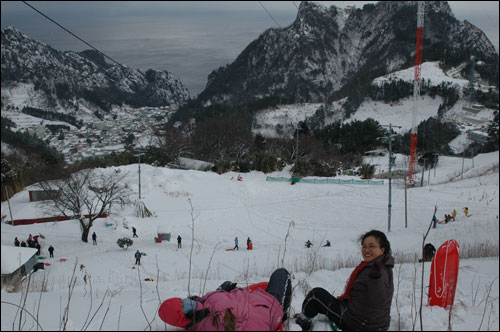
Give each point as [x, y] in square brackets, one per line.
[268, 13]
[71, 33]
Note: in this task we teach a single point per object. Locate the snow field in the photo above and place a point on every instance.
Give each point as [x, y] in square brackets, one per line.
[265, 212]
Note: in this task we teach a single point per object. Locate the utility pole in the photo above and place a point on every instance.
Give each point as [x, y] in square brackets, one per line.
[8, 202]
[423, 172]
[391, 162]
[429, 177]
[297, 147]
[406, 207]
[471, 80]
[463, 159]
[139, 155]
[416, 89]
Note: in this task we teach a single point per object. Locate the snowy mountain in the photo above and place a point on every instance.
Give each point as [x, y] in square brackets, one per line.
[62, 80]
[330, 53]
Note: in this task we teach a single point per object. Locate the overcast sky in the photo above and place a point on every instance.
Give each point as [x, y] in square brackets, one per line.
[189, 39]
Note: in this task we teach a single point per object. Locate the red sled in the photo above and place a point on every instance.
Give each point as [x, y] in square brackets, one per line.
[250, 246]
[444, 274]
[260, 285]
[230, 249]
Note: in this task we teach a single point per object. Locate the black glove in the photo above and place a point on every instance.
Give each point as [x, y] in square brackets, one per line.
[196, 316]
[227, 286]
[195, 297]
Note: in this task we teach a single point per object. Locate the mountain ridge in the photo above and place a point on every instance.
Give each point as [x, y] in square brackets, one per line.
[60, 76]
[326, 52]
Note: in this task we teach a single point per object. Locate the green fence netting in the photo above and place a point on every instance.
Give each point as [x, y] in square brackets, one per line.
[325, 181]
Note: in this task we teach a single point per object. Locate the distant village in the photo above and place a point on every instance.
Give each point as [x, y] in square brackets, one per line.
[100, 137]
[139, 126]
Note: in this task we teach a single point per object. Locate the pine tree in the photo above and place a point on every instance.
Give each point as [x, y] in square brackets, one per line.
[492, 144]
[124, 242]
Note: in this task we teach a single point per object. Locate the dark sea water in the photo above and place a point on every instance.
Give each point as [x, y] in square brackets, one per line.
[189, 43]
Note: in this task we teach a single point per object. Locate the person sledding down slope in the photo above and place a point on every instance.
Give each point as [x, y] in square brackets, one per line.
[233, 309]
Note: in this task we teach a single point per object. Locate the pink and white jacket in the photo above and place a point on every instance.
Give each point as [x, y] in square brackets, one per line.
[253, 311]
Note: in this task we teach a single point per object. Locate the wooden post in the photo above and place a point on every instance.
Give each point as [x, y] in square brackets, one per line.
[423, 170]
[406, 208]
[8, 202]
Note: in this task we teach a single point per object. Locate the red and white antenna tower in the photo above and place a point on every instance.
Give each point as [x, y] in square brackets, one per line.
[416, 89]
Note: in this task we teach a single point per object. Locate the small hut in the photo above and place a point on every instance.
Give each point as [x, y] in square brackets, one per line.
[17, 262]
[164, 232]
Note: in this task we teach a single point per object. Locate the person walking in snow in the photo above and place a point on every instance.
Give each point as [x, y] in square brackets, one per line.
[179, 242]
[435, 221]
[138, 257]
[248, 243]
[30, 241]
[308, 244]
[94, 238]
[365, 304]
[51, 251]
[134, 231]
[232, 308]
[429, 251]
[236, 244]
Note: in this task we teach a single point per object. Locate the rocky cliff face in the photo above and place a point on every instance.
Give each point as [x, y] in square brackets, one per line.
[60, 76]
[327, 52]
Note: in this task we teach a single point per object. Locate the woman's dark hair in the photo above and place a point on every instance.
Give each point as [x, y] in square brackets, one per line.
[382, 239]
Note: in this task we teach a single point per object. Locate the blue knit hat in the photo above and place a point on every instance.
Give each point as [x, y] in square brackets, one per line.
[189, 305]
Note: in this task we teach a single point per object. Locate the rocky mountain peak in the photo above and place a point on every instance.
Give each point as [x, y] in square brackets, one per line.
[328, 53]
[61, 76]
[96, 57]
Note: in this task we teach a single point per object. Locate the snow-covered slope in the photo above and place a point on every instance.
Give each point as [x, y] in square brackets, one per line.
[285, 116]
[264, 211]
[281, 120]
[429, 71]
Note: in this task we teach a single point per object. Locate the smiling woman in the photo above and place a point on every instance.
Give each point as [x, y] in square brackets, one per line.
[365, 304]
[373, 245]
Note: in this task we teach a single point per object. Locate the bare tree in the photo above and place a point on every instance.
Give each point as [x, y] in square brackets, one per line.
[423, 265]
[222, 138]
[173, 143]
[85, 192]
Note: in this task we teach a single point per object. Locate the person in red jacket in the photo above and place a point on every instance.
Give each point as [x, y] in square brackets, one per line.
[233, 309]
[365, 304]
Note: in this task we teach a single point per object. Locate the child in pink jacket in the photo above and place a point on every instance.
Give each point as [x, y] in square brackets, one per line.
[233, 309]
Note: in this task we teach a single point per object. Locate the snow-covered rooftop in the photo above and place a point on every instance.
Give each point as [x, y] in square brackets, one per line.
[13, 257]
